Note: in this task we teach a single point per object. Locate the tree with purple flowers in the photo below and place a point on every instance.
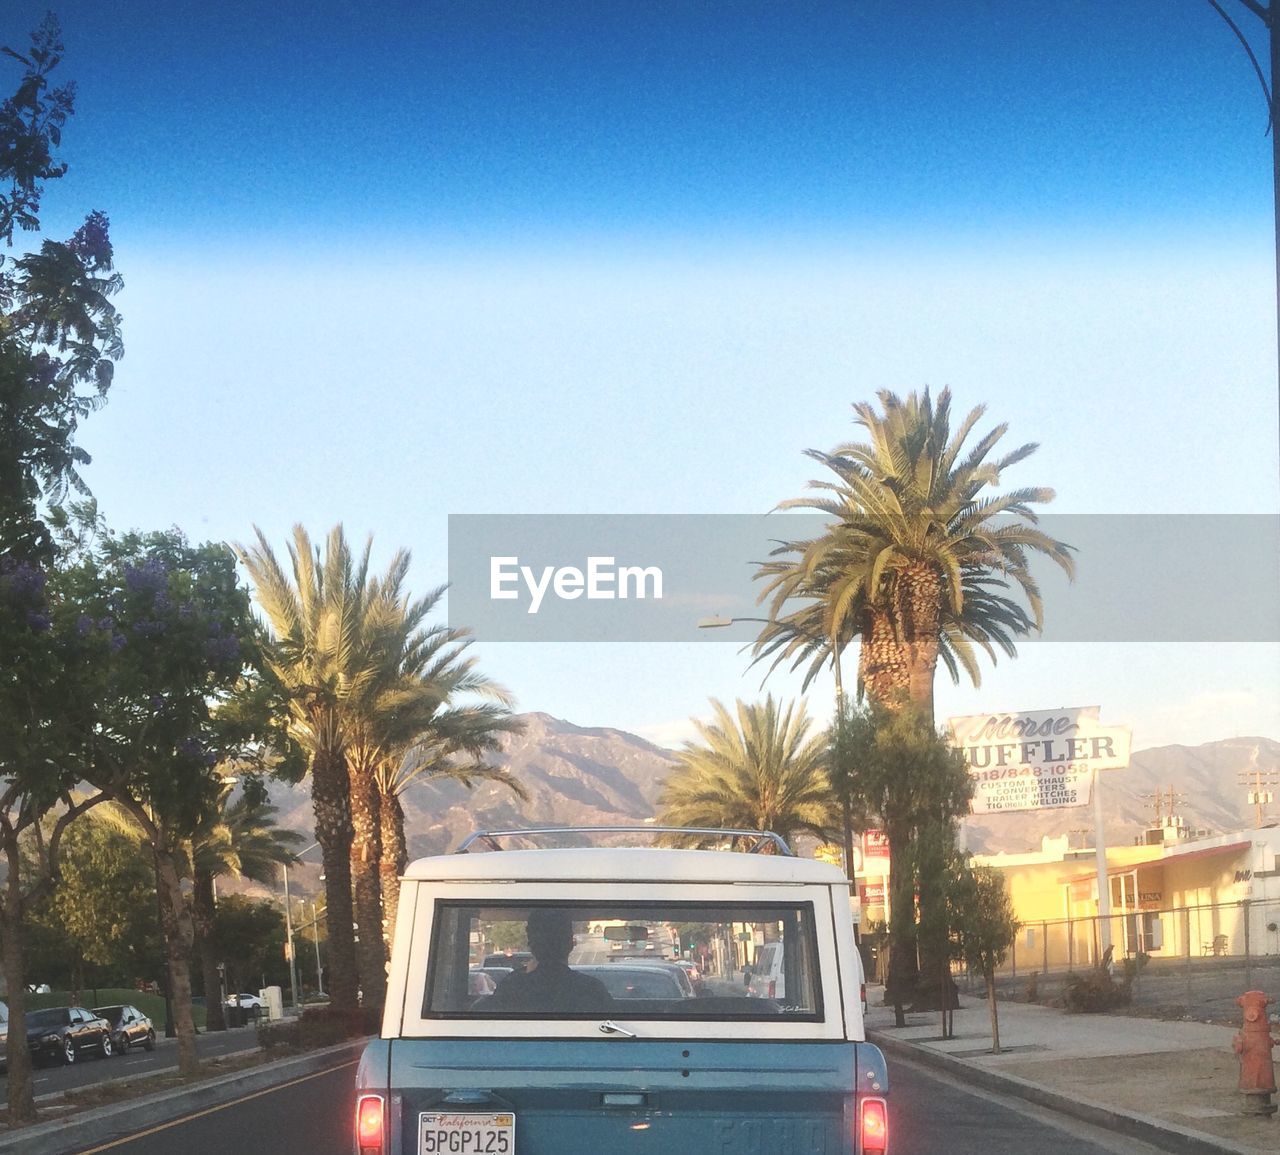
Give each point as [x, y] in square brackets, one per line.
[59, 340]
[59, 332]
[178, 699]
[47, 689]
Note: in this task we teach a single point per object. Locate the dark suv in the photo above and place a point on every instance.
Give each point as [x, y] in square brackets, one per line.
[63, 1034]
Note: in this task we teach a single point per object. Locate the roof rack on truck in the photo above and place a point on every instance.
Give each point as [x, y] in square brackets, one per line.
[750, 841]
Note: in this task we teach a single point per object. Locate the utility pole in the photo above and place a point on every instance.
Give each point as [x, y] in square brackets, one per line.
[1260, 795]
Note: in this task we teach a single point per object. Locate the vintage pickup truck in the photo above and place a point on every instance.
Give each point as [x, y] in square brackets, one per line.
[566, 1056]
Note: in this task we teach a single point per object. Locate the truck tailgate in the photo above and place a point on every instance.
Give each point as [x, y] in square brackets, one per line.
[618, 1096]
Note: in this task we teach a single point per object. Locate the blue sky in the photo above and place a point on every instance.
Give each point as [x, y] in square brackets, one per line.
[390, 262]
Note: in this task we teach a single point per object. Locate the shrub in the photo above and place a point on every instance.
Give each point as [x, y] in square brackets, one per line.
[1093, 991]
[319, 1027]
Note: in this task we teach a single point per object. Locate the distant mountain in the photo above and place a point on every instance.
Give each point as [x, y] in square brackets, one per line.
[593, 776]
[575, 776]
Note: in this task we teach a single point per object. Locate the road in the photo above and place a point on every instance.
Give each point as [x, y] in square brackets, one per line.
[308, 1116]
[929, 1114]
[87, 1070]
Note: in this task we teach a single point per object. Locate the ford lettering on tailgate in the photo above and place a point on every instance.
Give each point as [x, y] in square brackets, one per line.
[764, 1136]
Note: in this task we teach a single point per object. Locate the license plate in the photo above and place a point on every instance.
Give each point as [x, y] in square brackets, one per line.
[451, 1133]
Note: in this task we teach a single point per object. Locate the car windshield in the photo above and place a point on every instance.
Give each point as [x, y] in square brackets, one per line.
[616, 958]
[109, 1013]
[54, 1017]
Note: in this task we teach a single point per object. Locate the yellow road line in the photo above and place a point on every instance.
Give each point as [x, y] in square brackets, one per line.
[213, 1110]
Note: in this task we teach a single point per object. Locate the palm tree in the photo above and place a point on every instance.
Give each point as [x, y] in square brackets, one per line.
[438, 734]
[241, 839]
[320, 659]
[920, 553]
[922, 561]
[758, 770]
[390, 710]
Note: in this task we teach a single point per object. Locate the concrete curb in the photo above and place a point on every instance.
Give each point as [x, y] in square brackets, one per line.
[90, 1128]
[1169, 1136]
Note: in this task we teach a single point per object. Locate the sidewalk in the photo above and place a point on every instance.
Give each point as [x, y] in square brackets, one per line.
[1171, 1084]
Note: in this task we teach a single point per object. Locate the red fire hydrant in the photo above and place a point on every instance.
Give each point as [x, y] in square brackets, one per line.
[1253, 1043]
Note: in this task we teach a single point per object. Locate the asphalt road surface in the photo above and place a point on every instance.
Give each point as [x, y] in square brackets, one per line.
[930, 1114]
[87, 1069]
[310, 1115]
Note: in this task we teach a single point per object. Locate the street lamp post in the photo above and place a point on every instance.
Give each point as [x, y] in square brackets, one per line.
[288, 928]
[288, 933]
[315, 940]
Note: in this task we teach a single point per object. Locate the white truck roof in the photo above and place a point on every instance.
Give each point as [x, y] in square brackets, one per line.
[624, 864]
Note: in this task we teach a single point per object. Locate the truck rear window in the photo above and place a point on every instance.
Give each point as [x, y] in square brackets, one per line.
[669, 961]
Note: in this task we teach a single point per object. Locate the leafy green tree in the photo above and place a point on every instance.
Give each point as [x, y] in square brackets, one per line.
[899, 773]
[59, 338]
[252, 935]
[756, 769]
[924, 560]
[101, 913]
[176, 636]
[59, 333]
[984, 927]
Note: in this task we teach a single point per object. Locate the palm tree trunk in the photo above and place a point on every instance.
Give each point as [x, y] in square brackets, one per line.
[882, 667]
[202, 914]
[330, 800]
[179, 934]
[366, 888]
[394, 859]
[903, 963]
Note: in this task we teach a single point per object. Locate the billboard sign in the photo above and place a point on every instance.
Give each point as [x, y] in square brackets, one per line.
[1039, 759]
[875, 844]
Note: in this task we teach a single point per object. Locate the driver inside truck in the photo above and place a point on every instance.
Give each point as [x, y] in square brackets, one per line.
[549, 983]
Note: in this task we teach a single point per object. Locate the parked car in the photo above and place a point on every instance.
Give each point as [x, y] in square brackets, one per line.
[129, 1028]
[252, 1005]
[586, 1055]
[4, 1036]
[63, 1034]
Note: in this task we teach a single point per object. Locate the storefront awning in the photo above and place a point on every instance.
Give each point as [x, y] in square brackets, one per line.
[1207, 852]
[1156, 863]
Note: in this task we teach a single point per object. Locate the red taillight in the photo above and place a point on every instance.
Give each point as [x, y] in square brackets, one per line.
[773, 988]
[369, 1119]
[875, 1127]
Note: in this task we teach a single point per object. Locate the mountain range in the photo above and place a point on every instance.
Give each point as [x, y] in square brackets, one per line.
[598, 776]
